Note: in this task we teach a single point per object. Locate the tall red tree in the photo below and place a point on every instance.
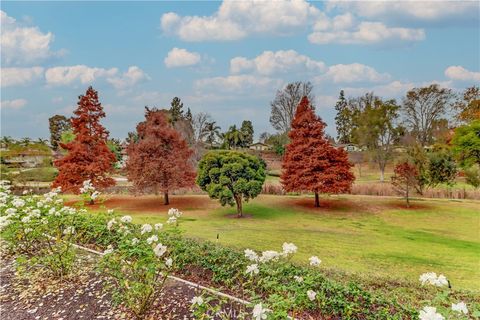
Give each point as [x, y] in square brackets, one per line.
[159, 159]
[311, 163]
[88, 157]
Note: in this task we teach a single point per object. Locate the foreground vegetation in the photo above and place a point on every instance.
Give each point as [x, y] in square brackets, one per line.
[39, 230]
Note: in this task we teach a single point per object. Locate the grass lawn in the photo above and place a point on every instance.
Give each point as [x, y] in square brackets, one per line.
[369, 236]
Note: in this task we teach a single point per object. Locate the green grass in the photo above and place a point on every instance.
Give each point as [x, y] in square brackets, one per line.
[369, 236]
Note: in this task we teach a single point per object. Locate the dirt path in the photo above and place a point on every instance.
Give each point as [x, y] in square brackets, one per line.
[82, 296]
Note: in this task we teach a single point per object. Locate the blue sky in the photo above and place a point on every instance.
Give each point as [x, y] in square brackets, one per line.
[225, 58]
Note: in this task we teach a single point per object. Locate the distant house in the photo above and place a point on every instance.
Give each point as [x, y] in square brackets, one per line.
[349, 147]
[259, 146]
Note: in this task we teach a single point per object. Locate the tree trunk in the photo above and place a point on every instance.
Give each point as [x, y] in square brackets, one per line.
[91, 202]
[408, 200]
[165, 198]
[382, 174]
[238, 200]
[317, 200]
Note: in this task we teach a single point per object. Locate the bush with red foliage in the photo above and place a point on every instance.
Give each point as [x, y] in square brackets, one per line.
[405, 178]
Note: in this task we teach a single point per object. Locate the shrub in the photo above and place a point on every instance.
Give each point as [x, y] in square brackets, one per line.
[39, 228]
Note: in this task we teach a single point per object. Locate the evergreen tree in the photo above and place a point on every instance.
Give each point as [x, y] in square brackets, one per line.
[247, 133]
[176, 109]
[343, 120]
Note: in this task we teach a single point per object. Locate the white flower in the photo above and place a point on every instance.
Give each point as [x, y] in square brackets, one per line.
[95, 195]
[126, 219]
[26, 219]
[108, 251]
[314, 261]
[160, 250]
[174, 213]
[441, 281]
[289, 248]
[298, 279]
[28, 230]
[197, 300]
[25, 192]
[251, 255]
[268, 255]
[146, 228]
[111, 223]
[172, 220]
[460, 307]
[169, 262]
[69, 230]
[11, 211]
[135, 241]
[158, 226]
[311, 295]
[432, 279]
[430, 313]
[252, 269]
[18, 203]
[110, 211]
[152, 239]
[259, 313]
[4, 222]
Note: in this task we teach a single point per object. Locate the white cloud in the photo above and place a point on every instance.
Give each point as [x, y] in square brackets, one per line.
[58, 76]
[13, 104]
[181, 58]
[19, 76]
[237, 84]
[237, 19]
[130, 78]
[355, 72]
[461, 74]
[411, 11]
[364, 33]
[282, 61]
[394, 89]
[23, 45]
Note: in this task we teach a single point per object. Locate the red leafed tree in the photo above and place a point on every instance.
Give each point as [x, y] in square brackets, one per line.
[310, 162]
[405, 178]
[159, 159]
[88, 157]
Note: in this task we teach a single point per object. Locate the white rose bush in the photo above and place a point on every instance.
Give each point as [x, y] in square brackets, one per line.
[137, 265]
[38, 230]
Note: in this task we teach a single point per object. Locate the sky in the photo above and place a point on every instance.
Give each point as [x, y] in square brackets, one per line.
[225, 58]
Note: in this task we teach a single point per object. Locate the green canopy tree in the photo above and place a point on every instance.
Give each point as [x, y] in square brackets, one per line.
[466, 144]
[441, 168]
[58, 124]
[378, 130]
[231, 177]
